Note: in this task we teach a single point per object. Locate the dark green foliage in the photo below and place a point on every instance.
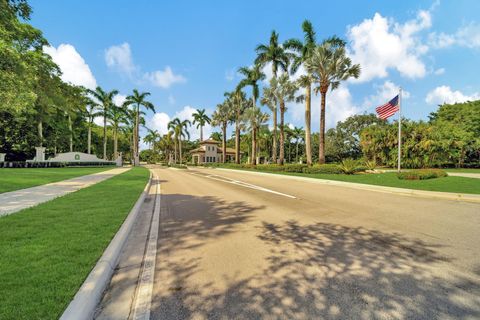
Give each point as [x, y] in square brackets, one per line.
[323, 169]
[423, 174]
[348, 166]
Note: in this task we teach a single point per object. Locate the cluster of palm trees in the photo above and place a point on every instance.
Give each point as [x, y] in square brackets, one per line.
[127, 117]
[324, 66]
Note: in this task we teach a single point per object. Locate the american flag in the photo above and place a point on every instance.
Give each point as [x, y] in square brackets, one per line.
[388, 109]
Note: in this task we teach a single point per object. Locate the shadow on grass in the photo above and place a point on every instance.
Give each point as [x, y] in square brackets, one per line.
[314, 271]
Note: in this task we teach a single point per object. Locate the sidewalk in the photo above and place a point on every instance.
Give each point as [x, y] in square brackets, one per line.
[11, 202]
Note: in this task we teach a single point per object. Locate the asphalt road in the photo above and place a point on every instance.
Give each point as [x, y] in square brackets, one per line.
[239, 246]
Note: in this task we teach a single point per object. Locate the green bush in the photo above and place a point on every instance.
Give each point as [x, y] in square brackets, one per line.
[294, 167]
[349, 166]
[322, 169]
[270, 167]
[370, 164]
[421, 174]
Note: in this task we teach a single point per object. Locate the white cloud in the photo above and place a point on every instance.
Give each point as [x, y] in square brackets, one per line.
[467, 36]
[444, 94]
[230, 74]
[164, 79]
[120, 58]
[439, 71]
[73, 66]
[119, 99]
[380, 44]
[159, 121]
[384, 93]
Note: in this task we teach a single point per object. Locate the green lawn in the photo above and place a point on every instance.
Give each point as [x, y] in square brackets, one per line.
[21, 178]
[463, 170]
[47, 251]
[389, 179]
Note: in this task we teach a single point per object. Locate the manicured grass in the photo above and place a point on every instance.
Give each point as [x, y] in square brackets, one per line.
[21, 178]
[47, 251]
[463, 170]
[389, 179]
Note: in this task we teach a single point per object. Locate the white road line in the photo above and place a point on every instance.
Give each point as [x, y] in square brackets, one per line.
[143, 300]
[242, 184]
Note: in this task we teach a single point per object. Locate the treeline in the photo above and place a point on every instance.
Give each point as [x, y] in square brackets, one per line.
[37, 108]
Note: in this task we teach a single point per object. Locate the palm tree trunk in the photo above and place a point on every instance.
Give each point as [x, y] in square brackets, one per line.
[254, 147]
[224, 142]
[89, 139]
[308, 117]
[40, 132]
[137, 134]
[201, 133]
[175, 151]
[296, 154]
[321, 135]
[237, 141]
[105, 135]
[274, 147]
[115, 143]
[71, 132]
[282, 132]
[180, 149]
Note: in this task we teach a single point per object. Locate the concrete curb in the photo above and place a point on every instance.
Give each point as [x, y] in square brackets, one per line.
[406, 192]
[83, 305]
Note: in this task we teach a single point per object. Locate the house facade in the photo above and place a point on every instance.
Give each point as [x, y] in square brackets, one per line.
[211, 151]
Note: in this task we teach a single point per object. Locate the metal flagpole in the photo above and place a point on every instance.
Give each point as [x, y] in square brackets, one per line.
[399, 129]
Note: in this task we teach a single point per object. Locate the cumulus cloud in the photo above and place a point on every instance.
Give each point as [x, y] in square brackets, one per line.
[380, 44]
[120, 58]
[119, 99]
[159, 121]
[383, 94]
[444, 94]
[164, 79]
[74, 68]
[466, 36]
[439, 71]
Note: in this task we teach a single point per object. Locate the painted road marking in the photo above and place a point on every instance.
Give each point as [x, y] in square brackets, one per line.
[242, 184]
[143, 300]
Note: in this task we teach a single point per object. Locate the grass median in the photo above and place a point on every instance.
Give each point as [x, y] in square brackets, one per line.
[21, 178]
[48, 251]
[389, 179]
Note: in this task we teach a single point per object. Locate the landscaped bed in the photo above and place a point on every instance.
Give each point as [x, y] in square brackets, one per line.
[389, 179]
[16, 178]
[47, 251]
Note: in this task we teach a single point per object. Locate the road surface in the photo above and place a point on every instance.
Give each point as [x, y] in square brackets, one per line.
[238, 246]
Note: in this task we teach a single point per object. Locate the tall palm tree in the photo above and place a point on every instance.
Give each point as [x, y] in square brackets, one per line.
[138, 100]
[105, 101]
[269, 98]
[297, 134]
[254, 118]
[201, 119]
[221, 117]
[91, 112]
[116, 115]
[304, 50]
[286, 90]
[179, 128]
[151, 138]
[329, 66]
[237, 102]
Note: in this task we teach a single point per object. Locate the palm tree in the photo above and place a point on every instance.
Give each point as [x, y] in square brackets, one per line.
[138, 100]
[286, 90]
[252, 76]
[269, 98]
[151, 138]
[221, 117]
[329, 66]
[91, 112]
[105, 101]
[297, 134]
[237, 103]
[179, 128]
[201, 119]
[304, 50]
[116, 116]
[253, 119]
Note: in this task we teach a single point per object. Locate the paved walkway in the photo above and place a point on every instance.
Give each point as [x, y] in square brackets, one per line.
[464, 174]
[11, 202]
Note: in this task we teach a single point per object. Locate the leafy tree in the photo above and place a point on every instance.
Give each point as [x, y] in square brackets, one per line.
[200, 118]
[179, 128]
[252, 76]
[116, 115]
[253, 119]
[221, 117]
[237, 103]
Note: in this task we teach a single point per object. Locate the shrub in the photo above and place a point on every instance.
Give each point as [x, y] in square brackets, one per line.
[322, 169]
[294, 167]
[349, 166]
[421, 174]
[370, 164]
[270, 167]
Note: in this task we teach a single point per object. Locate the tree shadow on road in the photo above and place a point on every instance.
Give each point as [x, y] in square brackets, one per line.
[323, 271]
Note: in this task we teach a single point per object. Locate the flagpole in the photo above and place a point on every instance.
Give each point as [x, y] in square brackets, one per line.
[399, 130]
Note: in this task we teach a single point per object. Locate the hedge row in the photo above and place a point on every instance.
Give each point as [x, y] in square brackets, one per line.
[421, 174]
[22, 164]
[296, 168]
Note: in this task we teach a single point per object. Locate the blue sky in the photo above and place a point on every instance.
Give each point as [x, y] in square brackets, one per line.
[186, 53]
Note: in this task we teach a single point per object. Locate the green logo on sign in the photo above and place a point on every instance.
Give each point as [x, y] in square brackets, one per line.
[77, 157]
